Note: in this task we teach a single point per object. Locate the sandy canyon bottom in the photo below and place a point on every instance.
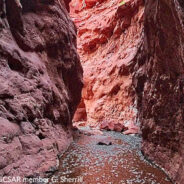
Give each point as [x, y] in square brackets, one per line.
[111, 158]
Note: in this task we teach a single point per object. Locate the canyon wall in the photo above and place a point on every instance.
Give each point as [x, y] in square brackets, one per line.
[128, 72]
[159, 84]
[109, 37]
[40, 85]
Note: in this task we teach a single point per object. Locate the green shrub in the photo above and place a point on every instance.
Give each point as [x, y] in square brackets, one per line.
[122, 3]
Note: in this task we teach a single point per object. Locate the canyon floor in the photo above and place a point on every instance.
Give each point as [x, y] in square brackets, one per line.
[111, 158]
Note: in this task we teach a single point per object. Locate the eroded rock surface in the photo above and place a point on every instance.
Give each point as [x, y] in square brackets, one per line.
[40, 85]
[113, 49]
[109, 35]
[159, 83]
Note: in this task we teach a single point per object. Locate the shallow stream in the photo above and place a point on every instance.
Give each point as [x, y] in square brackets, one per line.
[121, 162]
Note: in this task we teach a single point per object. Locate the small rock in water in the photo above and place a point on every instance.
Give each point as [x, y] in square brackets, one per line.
[104, 143]
[132, 129]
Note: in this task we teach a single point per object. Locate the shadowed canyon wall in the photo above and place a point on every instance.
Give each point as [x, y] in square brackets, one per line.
[40, 85]
[109, 36]
[159, 84]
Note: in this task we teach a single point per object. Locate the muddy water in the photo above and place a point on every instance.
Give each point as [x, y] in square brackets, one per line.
[87, 162]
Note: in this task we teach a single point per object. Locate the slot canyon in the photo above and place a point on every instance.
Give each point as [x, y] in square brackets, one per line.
[92, 91]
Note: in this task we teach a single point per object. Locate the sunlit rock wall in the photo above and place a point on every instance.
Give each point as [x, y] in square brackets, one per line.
[109, 36]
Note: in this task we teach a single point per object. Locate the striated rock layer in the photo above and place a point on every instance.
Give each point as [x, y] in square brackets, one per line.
[40, 85]
[159, 84]
[109, 36]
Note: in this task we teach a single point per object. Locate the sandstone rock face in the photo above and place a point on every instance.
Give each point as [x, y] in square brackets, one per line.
[80, 114]
[159, 84]
[40, 85]
[109, 36]
[112, 125]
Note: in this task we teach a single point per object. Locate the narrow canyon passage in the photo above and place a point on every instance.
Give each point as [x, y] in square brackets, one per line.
[108, 40]
[92, 89]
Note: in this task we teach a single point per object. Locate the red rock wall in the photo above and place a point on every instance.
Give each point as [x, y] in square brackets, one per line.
[159, 84]
[118, 57]
[109, 36]
[40, 85]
